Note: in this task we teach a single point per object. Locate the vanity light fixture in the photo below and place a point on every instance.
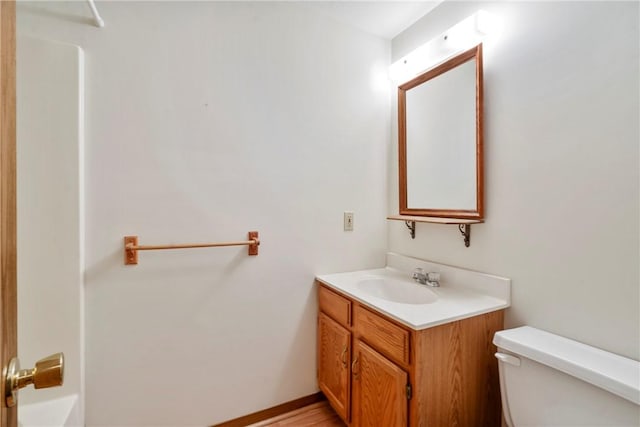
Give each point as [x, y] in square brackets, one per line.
[462, 36]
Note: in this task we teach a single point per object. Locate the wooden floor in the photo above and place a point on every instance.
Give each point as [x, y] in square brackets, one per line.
[318, 414]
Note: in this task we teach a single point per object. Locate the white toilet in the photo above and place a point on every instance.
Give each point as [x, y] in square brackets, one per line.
[548, 380]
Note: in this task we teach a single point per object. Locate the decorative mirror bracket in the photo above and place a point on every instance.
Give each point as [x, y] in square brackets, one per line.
[465, 229]
[464, 225]
[411, 225]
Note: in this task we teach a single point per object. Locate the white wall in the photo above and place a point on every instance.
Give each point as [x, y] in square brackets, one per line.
[50, 211]
[562, 180]
[205, 121]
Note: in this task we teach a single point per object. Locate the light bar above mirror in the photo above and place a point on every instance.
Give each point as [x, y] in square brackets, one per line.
[464, 35]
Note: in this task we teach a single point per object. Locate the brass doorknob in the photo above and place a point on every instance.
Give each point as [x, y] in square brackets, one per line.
[48, 372]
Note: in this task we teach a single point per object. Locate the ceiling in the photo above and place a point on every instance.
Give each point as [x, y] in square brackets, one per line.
[382, 18]
[385, 19]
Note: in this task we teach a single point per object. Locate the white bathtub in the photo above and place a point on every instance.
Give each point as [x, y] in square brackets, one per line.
[61, 412]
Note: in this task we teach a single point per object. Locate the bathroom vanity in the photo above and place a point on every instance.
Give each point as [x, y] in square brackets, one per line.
[385, 360]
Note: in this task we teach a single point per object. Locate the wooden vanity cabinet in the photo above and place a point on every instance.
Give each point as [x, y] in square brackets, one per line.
[379, 389]
[395, 376]
[334, 358]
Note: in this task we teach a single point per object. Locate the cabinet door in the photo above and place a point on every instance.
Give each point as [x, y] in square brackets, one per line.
[379, 389]
[334, 355]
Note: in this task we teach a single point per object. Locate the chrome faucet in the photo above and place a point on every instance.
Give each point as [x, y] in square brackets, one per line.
[419, 276]
[429, 279]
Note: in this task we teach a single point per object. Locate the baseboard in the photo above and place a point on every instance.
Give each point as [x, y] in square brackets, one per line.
[265, 414]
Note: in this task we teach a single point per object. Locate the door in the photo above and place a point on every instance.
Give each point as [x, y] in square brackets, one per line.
[8, 233]
[379, 389]
[334, 353]
[49, 371]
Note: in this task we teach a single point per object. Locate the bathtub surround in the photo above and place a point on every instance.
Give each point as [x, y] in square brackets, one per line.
[59, 412]
[50, 208]
[205, 120]
[562, 152]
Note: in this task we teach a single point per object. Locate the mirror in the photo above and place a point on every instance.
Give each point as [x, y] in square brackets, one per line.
[440, 140]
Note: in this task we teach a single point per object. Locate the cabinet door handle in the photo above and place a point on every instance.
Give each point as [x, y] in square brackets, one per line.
[343, 356]
[356, 374]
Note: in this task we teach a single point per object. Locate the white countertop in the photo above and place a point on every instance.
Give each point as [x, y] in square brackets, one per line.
[462, 293]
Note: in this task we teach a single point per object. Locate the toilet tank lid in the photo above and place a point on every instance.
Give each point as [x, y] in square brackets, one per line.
[616, 374]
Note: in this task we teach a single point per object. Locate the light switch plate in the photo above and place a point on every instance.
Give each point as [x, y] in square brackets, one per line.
[348, 221]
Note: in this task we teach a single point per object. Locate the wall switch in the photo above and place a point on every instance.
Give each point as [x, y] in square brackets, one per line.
[348, 221]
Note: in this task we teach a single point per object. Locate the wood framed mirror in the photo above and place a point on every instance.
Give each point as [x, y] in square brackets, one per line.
[440, 140]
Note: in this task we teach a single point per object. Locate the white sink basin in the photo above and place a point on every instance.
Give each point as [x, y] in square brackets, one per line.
[395, 290]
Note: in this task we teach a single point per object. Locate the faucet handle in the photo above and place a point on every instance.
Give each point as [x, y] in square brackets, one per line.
[418, 272]
[433, 279]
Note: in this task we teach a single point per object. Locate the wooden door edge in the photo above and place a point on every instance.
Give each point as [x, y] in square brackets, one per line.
[8, 230]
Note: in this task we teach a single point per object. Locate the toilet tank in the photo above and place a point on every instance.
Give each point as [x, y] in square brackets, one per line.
[549, 380]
